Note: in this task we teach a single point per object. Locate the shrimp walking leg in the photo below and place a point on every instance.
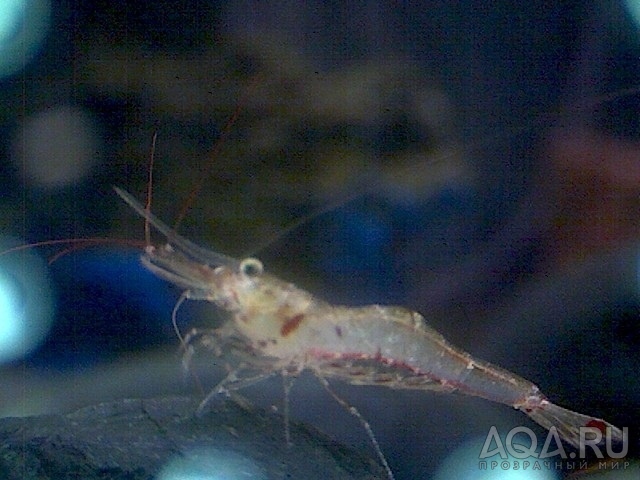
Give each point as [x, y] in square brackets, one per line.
[367, 427]
[287, 382]
[229, 385]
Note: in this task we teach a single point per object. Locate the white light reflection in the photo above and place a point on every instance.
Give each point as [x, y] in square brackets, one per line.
[211, 464]
[23, 26]
[26, 303]
[464, 464]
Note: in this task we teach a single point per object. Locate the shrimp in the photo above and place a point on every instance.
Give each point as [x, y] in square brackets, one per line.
[278, 327]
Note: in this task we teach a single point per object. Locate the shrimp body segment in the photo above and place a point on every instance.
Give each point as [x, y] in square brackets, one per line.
[288, 328]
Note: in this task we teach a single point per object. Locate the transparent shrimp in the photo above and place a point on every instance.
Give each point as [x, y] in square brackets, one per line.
[279, 327]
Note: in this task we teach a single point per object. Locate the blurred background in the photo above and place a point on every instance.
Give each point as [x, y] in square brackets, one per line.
[477, 162]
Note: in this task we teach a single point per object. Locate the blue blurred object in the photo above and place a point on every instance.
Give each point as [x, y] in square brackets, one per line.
[108, 304]
[378, 242]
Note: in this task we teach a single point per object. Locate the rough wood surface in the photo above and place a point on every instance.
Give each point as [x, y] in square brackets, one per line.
[163, 439]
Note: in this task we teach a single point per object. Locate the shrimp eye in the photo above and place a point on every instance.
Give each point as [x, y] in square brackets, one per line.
[251, 267]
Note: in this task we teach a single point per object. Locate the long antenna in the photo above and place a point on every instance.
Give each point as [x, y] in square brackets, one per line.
[226, 131]
[147, 207]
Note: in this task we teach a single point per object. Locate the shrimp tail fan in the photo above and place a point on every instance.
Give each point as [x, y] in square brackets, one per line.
[571, 425]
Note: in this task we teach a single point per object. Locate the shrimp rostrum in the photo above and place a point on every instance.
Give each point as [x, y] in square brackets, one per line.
[283, 328]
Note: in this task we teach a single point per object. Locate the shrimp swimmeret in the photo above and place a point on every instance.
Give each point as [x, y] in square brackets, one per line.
[285, 329]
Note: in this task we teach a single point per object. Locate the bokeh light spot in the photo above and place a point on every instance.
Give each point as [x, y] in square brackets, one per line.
[464, 464]
[57, 147]
[9, 311]
[10, 13]
[633, 7]
[211, 464]
[26, 303]
[23, 26]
